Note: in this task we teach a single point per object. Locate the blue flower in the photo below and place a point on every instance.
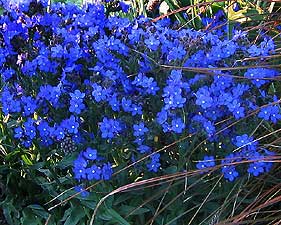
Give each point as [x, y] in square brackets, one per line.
[29, 105]
[173, 92]
[90, 153]
[154, 164]
[126, 104]
[229, 173]
[222, 82]
[176, 53]
[98, 92]
[106, 171]
[125, 7]
[58, 132]
[268, 165]
[139, 140]
[144, 149]
[229, 48]
[83, 65]
[206, 20]
[166, 127]
[27, 143]
[162, 116]
[228, 168]
[155, 157]
[7, 74]
[265, 113]
[256, 75]
[44, 129]
[79, 168]
[136, 109]
[77, 95]
[109, 128]
[76, 106]
[209, 128]
[139, 129]
[239, 112]
[178, 125]
[46, 142]
[76, 102]
[256, 168]
[10, 105]
[83, 193]
[58, 51]
[79, 173]
[29, 128]
[80, 162]
[71, 125]
[245, 141]
[50, 93]
[18, 132]
[114, 103]
[207, 162]
[94, 172]
[271, 113]
[264, 49]
[147, 83]
[203, 98]
[152, 43]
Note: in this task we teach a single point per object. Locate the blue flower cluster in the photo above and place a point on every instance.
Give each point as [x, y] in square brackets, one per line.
[249, 152]
[88, 166]
[115, 84]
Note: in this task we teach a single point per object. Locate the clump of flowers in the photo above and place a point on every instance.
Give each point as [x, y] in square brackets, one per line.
[117, 85]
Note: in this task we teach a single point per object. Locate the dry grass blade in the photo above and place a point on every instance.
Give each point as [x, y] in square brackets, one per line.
[146, 201]
[170, 178]
[205, 69]
[213, 188]
[136, 184]
[48, 220]
[255, 207]
[159, 205]
[182, 214]
[214, 217]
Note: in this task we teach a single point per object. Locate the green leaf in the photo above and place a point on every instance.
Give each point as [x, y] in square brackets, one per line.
[126, 209]
[10, 155]
[26, 160]
[12, 124]
[38, 165]
[116, 216]
[29, 218]
[76, 214]
[39, 211]
[121, 198]
[171, 170]
[105, 216]
[46, 172]
[66, 214]
[90, 204]
[211, 206]
[177, 15]
[9, 211]
[66, 161]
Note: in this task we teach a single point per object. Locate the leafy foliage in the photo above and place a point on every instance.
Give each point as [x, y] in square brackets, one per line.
[94, 104]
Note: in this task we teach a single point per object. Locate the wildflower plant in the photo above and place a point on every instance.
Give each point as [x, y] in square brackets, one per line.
[121, 91]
